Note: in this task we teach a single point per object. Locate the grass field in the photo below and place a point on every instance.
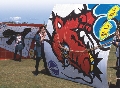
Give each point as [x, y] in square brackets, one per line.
[20, 75]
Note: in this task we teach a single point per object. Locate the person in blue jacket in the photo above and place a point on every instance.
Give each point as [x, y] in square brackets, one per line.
[19, 46]
[39, 38]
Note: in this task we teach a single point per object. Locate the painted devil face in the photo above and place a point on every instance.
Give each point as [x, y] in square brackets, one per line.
[80, 41]
[67, 34]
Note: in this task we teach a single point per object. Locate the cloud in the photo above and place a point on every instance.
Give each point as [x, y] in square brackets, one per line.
[16, 19]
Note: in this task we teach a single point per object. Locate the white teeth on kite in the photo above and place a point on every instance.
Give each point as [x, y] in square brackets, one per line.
[76, 30]
[86, 40]
[82, 33]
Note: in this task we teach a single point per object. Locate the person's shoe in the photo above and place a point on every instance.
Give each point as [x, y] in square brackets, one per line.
[19, 60]
[13, 59]
[36, 73]
[34, 58]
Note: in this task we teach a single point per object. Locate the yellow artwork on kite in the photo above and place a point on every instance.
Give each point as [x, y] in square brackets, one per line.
[104, 30]
[113, 12]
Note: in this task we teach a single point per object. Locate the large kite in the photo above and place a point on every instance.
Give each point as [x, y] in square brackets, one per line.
[80, 37]
[79, 40]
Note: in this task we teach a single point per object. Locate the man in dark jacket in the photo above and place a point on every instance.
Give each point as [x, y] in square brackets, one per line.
[39, 38]
[19, 46]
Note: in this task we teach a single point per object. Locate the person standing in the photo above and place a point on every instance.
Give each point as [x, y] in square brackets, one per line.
[116, 43]
[39, 38]
[43, 32]
[19, 46]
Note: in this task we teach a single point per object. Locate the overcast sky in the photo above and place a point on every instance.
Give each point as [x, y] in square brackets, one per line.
[35, 11]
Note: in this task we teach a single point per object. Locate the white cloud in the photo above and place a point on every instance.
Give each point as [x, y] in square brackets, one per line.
[15, 18]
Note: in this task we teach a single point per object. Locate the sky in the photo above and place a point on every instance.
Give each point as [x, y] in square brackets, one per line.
[36, 11]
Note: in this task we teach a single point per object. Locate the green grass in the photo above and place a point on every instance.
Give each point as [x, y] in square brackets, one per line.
[20, 75]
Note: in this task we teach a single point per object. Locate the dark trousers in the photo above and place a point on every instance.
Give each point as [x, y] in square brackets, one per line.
[42, 50]
[20, 51]
[118, 61]
[37, 63]
[44, 59]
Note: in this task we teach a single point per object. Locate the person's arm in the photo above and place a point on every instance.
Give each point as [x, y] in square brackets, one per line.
[23, 42]
[42, 38]
[114, 43]
[118, 44]
[15, 41]
[37, 39]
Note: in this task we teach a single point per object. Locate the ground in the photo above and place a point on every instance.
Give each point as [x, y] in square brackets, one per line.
[15, 74]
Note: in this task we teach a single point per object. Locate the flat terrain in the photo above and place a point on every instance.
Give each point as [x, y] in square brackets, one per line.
[15, 74]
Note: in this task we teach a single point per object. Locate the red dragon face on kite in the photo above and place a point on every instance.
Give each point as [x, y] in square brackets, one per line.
[66, 34]
[75, 38]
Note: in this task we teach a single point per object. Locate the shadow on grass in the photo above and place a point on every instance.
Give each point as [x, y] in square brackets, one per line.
[114, 68]
[112, 85]
[43, 71]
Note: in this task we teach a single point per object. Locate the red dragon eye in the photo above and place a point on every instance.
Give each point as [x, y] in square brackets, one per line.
[59, 25]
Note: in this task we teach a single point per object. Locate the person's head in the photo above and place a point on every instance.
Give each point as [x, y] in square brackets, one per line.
[19, 34]
[41, 28]
[117, 33]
